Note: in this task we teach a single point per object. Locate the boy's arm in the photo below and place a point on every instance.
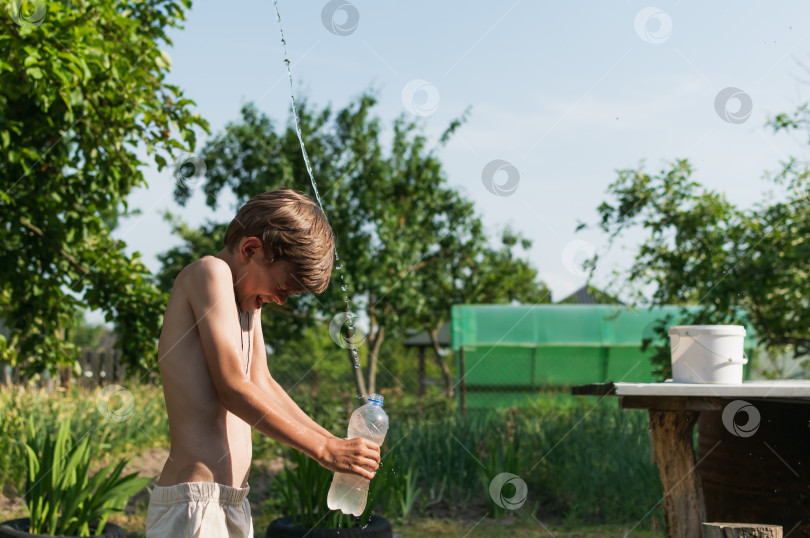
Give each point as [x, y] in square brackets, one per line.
[275, 391]
[208, 287]
[260, 374]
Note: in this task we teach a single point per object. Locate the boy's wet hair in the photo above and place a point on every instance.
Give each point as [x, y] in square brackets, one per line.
[291, 228]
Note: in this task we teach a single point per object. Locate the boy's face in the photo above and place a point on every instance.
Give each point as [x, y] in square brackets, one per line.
[260, 283]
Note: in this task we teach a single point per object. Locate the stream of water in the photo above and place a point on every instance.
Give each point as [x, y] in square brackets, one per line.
[350, 338]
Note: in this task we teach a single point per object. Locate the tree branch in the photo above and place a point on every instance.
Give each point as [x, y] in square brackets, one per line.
[25, 222]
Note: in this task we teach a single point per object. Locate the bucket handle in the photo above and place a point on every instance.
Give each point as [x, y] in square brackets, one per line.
[744, 359]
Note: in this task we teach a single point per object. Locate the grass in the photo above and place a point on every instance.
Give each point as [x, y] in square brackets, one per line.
[519, 528]
[586, 464]
[571, 460]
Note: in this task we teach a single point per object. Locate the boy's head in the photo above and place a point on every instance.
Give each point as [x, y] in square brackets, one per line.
[291, 228]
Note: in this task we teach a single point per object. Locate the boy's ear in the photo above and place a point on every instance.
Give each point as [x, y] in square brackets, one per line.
[248, 248]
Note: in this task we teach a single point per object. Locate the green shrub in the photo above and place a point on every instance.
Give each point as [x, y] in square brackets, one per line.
[61, 497]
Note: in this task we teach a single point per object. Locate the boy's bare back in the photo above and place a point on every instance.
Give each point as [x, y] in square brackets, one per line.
[208, 442]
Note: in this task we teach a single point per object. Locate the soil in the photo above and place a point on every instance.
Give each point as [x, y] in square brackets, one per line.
[12, 506]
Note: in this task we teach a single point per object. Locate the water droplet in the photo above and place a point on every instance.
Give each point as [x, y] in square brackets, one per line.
[344, 287]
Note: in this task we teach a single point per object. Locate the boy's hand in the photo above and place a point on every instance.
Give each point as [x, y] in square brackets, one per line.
[356, 456]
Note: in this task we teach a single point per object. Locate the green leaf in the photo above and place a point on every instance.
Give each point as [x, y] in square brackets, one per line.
[34, 72]
[90, 90]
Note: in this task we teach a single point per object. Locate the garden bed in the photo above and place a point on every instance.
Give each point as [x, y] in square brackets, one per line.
[571, 455]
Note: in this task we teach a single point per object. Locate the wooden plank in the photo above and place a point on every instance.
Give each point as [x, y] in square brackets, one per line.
[672, 403]
[96, 363]
[593, 389]
[683, 505]
[747, 389]
[109, 367]
[741, 530]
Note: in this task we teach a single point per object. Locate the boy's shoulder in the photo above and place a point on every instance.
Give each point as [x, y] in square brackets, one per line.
[208, 269]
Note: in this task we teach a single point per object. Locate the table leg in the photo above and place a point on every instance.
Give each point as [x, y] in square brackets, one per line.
[684, 509]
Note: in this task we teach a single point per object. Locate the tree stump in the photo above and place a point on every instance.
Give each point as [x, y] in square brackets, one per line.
[741, 530]
[671, 433]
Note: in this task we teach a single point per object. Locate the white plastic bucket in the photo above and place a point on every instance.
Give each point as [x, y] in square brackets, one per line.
[707, 353]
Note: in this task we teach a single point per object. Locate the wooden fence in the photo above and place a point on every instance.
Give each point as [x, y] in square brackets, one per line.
[98, 367]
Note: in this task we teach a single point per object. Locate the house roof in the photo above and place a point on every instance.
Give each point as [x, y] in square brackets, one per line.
[589, 295]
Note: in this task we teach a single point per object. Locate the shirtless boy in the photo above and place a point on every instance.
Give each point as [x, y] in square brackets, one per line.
[216, 381]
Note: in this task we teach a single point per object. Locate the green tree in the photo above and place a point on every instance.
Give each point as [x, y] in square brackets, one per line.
[400, 229]
[82, 88]
[468, 270]
[736, 264]
[85, 335]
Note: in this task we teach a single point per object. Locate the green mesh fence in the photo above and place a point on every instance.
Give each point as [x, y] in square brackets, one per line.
[516, 354]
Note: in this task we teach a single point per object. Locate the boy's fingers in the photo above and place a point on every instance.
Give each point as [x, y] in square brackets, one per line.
[371, 464]
[365, 473]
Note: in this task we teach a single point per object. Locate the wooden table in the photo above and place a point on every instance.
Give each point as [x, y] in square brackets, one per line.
[674, 409]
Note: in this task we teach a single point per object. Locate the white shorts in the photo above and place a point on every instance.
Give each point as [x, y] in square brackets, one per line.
[199, 510]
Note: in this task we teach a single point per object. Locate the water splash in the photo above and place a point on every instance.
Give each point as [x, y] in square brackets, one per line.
[308, 165]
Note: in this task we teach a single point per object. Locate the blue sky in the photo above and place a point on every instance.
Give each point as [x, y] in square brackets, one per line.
[567, 92]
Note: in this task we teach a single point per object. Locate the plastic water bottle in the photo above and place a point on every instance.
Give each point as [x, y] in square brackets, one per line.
[349, 492]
